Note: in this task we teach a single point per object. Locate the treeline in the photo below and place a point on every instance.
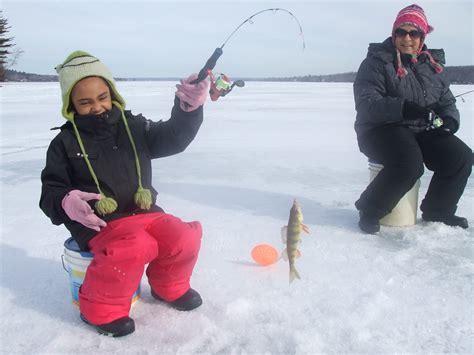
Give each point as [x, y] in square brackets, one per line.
[461, 75]
[13, 75]
[457, 75]
[331, 78]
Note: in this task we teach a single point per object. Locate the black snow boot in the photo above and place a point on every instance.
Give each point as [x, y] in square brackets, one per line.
[452, 220]
[117, 328]
[187, 302]
[368, 224]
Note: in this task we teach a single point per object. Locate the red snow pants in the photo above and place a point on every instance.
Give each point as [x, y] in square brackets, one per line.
[121, 251]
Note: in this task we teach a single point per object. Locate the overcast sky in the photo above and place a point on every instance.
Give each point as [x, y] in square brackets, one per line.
[175, 38]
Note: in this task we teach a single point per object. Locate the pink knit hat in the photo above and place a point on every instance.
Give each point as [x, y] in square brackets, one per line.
[415, 16]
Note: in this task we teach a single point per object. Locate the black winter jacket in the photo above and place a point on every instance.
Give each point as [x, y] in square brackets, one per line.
[379, 93]
[111, 156]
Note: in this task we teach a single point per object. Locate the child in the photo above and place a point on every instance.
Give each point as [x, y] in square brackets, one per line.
[97, 182]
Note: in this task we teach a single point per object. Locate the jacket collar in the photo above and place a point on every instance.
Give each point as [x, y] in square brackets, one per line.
[102, 125]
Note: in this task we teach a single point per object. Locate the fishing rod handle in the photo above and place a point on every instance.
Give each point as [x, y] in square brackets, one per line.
[210, 64]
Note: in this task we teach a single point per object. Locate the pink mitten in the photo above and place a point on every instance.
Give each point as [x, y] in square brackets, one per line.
[192, 95]
[76, 207]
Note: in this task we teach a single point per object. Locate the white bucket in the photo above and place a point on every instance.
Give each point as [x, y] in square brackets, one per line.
[404, 213]
[75, 262]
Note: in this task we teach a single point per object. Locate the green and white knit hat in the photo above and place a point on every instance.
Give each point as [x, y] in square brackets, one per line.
[77, 66]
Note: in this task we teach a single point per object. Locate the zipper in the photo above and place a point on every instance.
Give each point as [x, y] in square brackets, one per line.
[419, 80]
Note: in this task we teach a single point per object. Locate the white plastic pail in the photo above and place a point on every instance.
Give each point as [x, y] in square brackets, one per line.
[75, 262]
[404, 213]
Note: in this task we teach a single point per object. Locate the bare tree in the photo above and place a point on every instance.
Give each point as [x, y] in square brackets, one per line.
[14, 57]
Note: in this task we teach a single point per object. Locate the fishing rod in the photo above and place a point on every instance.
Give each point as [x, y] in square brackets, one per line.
[461, 95]
[211, 62]
[435, 121]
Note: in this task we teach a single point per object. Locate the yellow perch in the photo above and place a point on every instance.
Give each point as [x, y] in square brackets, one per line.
[293, 239]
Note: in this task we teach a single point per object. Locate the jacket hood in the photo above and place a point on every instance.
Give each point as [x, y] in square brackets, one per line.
[386, 52]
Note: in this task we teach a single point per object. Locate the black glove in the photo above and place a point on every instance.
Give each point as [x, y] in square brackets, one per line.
[416, 125]
[448, 127]
[412, 111]
[450, 124]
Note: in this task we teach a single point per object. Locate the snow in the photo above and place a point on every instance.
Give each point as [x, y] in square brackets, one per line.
[406, 290]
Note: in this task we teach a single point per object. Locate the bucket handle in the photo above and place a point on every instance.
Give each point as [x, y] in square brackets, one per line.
[64, 266]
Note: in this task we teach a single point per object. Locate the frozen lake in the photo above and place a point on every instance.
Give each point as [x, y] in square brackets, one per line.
[405, 290]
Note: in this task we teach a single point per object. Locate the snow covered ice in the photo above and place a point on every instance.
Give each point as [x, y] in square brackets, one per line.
[404, 290]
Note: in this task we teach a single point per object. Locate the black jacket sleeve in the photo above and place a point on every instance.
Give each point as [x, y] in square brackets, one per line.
[173, 136]
[56, 182]
[371, 99]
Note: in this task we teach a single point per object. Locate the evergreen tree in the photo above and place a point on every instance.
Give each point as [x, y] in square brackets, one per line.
[5, 45]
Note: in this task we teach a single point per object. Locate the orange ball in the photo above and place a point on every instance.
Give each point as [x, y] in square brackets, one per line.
[264, 254]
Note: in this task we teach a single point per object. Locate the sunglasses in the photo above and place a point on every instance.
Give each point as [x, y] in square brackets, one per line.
[413, 34]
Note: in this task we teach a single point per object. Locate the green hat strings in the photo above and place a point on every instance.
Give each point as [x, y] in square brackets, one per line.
[142, 197]
[107, 205]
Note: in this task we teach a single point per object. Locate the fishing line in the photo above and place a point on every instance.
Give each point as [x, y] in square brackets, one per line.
[461, 95]
[211, 62]
[249, 20]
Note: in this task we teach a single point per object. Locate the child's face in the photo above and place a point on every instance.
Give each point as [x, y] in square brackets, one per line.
[91, 96]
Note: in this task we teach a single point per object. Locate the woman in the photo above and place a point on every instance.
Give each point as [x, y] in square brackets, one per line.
[97, 182]
[406, 116]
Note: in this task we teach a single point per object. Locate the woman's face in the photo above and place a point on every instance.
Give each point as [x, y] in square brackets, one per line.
[407, 39]
[91, 96]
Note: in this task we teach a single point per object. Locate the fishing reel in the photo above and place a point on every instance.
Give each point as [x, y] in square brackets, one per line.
[222, 85]
[434, 121]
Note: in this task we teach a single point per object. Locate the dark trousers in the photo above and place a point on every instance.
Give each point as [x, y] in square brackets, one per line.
[403, 153]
